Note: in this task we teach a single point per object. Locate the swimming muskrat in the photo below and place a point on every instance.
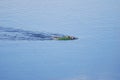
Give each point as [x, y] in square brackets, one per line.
[65, 38]
[19, 34]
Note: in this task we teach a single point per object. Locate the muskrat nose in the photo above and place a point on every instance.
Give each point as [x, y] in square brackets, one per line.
[73, 38]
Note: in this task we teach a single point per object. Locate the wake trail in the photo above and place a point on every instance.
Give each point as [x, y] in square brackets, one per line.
[20, 34]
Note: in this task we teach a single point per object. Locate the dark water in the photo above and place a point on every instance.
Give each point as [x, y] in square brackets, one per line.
[94, 56]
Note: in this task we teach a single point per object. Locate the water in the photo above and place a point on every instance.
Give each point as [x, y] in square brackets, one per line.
[94, 56]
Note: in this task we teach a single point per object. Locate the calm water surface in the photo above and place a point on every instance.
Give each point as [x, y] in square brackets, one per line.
[94, 56]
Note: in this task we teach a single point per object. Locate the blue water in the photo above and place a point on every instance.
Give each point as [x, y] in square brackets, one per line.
[94, 56]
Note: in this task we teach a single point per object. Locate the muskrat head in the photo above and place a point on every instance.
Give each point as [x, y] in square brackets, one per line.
[72, 37]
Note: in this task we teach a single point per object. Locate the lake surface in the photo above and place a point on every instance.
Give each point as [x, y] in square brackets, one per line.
[94, 56]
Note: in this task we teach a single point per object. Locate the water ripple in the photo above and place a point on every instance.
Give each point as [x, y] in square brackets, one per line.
[19, 34]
